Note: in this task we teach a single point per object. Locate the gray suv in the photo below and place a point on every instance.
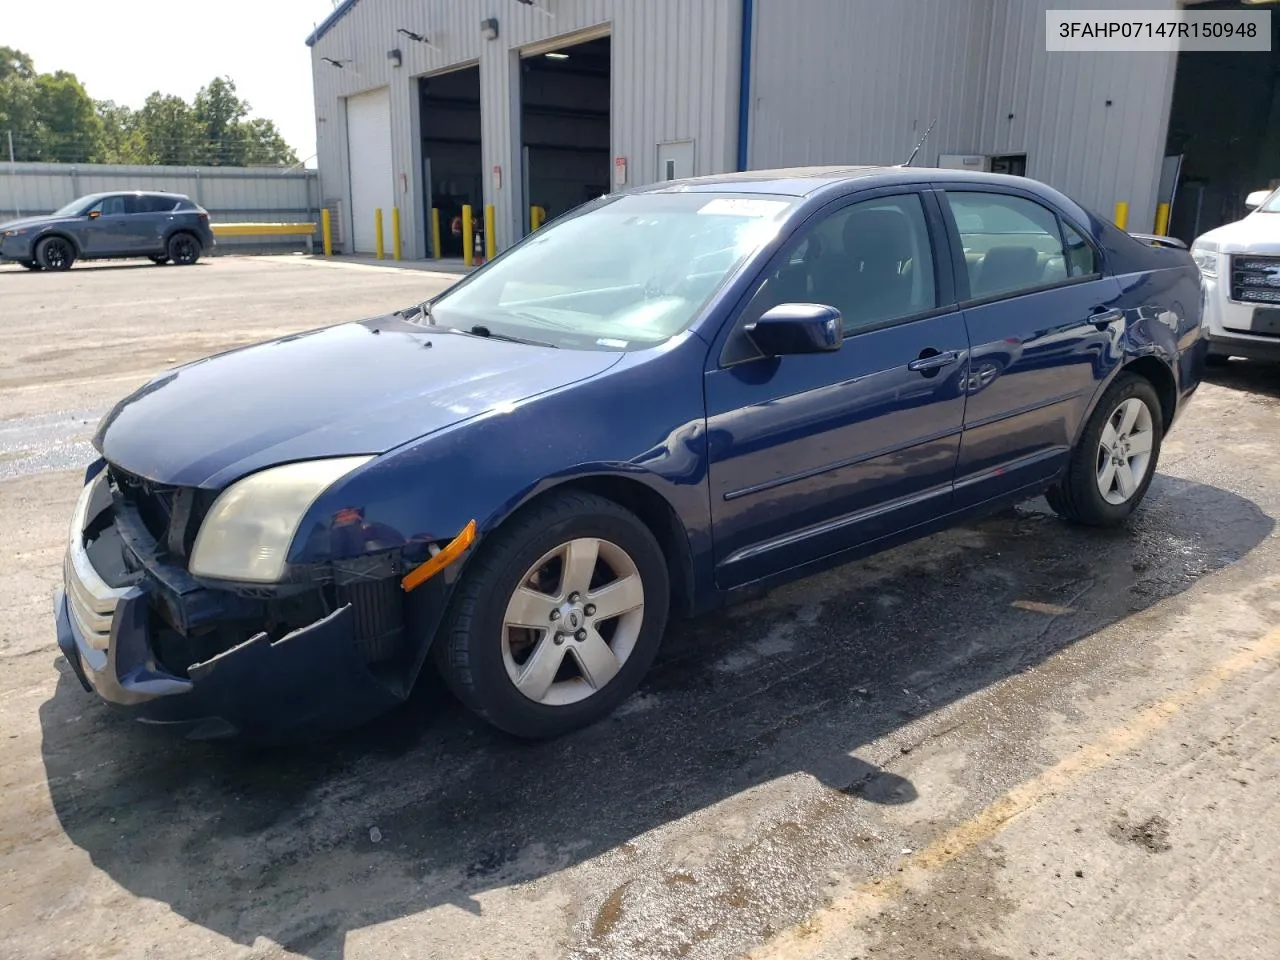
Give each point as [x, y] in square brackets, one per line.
[162, 227]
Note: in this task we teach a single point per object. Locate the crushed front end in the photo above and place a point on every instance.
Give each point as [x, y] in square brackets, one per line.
[329, 647]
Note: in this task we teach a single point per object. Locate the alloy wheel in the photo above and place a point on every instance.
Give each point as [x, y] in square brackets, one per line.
[572, 621]
[1124, 451]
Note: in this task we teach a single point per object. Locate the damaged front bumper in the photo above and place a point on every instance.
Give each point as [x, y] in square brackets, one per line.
[312, 679]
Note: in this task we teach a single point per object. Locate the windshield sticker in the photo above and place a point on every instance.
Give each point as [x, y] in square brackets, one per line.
[606, 342]
[742, 207]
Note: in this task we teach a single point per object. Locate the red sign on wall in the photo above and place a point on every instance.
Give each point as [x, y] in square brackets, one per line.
[620, 171]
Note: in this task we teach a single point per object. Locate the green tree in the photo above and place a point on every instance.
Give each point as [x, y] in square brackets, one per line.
[169, 131]
[15, 63]
[50, 115]
[53, 118]
[122, 139]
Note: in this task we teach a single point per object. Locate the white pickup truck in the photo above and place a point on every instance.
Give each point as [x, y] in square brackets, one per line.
[1240, 264]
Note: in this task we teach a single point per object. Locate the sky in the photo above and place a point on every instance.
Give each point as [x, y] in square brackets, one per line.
[123, 50]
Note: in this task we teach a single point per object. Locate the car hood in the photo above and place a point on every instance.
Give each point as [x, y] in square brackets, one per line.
[27, 222]
[1256, 233]
[356, 388]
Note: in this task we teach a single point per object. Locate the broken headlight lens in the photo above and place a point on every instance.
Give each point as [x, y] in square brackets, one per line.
[248, 530]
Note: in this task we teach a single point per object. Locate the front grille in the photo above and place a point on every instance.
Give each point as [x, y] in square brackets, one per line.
[377, 611]
[1255, 279]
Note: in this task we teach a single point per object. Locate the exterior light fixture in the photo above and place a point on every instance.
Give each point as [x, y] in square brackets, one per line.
[394, 57]
[489, 28]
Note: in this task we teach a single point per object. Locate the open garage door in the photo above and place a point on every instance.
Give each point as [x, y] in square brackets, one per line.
[565, 123]
[1224, 130]
[369, 154]
[451, 153]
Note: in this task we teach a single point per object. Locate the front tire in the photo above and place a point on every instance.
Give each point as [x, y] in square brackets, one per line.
[558, 618]
[1113, 463]
[55, 253]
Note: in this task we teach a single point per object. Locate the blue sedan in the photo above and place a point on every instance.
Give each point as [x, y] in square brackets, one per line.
[667, 399]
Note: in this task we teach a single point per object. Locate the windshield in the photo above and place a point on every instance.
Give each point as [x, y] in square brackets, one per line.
[1272, 203]
[72, 208]
[625, 274]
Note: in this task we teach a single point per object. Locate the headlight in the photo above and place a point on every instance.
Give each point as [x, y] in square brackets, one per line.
[248, 530]
[1207, 261]
[13, 233]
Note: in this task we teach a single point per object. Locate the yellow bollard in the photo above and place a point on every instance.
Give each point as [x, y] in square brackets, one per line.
[1121, 219]
[490, 234]
[468, 236]
[377, 234]
[395, 233]
[326, 232]
[536, 215]
[435, 232]
[1162, 219]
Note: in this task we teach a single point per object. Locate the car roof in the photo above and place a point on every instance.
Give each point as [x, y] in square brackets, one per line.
[806, 181]
[134, 193]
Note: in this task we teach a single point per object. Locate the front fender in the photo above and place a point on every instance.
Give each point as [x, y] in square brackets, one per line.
[643, 421]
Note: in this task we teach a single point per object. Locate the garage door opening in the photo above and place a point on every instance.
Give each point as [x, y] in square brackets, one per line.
[369, 161]
[564, 122]
[452, 166]
[1224, 132]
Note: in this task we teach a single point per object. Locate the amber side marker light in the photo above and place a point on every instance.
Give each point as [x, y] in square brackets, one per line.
[425, 571]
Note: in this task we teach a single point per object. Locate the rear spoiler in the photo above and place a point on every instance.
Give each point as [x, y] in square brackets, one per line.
[1154, 240]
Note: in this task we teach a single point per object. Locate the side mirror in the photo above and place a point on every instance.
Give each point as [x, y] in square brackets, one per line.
[1256, 199]
[94, 214]
[792, 328]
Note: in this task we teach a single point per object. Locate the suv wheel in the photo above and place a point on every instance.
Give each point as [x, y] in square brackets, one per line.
[55, 253]
[558, 618]
[1113, 463]
[184, 249]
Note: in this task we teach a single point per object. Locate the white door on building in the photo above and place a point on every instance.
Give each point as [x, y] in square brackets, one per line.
[369, 156]
[675, 160]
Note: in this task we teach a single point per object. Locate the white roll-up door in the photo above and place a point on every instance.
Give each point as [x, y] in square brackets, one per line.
[369, 153]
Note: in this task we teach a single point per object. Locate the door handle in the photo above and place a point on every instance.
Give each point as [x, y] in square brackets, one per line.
[933, 361]
[1102, 318]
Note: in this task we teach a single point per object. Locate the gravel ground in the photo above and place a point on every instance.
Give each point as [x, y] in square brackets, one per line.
[1014, 739]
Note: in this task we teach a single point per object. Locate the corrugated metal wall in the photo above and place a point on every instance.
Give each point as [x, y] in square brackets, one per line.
[674, 77]
[228, 193]
[860, 81]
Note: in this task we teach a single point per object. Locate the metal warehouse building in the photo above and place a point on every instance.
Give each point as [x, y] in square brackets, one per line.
[436, 104]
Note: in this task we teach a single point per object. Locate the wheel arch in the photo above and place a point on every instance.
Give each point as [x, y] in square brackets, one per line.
[650, 507]
[1151, 368]
[1158, 374]
[61, 235]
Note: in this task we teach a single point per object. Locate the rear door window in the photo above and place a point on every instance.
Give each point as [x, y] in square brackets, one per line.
[1013, 245]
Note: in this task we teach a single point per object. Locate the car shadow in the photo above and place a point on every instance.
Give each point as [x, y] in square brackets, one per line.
[428, 807]
[80, 266]
[1247, 376]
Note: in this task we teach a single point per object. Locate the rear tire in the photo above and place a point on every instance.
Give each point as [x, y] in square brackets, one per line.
[184, 249]
[583, 570]
[1115, 459]
[55, 253]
